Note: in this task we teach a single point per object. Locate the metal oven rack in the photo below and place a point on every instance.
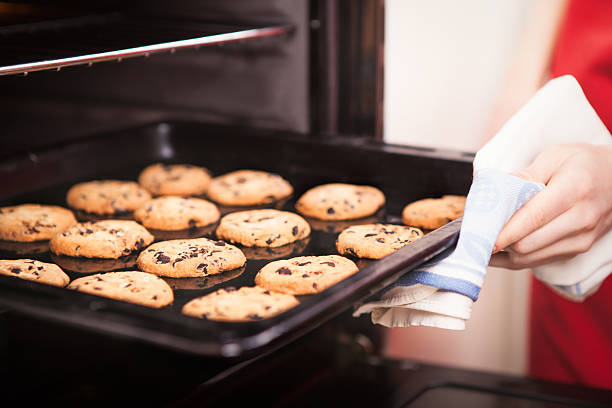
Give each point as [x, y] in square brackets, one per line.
[59, 43]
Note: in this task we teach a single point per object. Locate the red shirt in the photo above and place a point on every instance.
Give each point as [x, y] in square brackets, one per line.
[570, 341]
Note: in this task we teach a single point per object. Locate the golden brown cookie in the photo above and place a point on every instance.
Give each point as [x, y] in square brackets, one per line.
[432, 213]
[32, 270]
[305, 275]
[130, 286]
[175, 179]
[105, 197]
[172, 213]
[262, 228]
[340, 201]
[240, 305]
[184, 258]
[101, 239]
[375, 241]
[248, 187]
[33, 222]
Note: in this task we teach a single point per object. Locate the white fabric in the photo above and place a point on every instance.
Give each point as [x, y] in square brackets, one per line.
[558, 113]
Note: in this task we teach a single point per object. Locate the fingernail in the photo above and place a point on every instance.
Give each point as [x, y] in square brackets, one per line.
[495, 250]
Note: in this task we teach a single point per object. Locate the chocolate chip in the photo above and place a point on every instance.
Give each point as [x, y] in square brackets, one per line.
[295, 230]
[140, 243]
[330, 210]
[97, 288]
[154, 297]
[304, 276]
[192, 223]
[270, 198]
[219, 243]
[303, 263]
[230, 289]
[381, 240]
[333, 265]
[351, 251]
[369, 235]
[177, 260]
[16, 271]
[314, 285]
[40, 268]
[270, 240]
[88, 231]
[268, 307]
[162, 258]
[241, 180]
[202, 267]
[267, 292]
[283, 271]
[254, 316]
[99, 279]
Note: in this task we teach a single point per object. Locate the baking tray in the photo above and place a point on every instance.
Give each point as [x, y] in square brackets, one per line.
[404, 174]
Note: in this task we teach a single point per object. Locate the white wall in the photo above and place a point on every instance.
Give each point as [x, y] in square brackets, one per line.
[444, 61]
[444, 64]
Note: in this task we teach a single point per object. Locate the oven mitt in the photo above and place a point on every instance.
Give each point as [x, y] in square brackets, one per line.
[441, 294]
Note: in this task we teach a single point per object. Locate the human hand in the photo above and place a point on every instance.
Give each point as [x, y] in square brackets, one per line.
[566, 217]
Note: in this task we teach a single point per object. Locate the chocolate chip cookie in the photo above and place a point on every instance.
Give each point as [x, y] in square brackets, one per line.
[272, 228]
[175, 179]
[375, 241]
[183, 258]
[32, 270]
[101, 239]
[240, 305]
[305, 275]
[248, 187]
[33, 222]
[340, 201]
[130, 286]
[432, 213]
[107, 197]
[171, 213]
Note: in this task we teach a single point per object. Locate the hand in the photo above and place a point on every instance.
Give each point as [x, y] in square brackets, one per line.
[566, 217]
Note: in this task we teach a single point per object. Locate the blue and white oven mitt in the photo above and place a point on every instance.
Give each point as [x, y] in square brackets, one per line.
[441, 294]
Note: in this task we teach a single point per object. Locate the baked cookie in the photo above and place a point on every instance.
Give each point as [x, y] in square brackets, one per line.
[105, 197]
[184, 258]
[131, 286]
[174, 179]
[101, 239]
[248, 187]
[33, 222]
[240, 305]
[32, 270]
[432, 213]
[172, 213]
[305, 275]
[375, 241]
[340, 201]
[261, 228]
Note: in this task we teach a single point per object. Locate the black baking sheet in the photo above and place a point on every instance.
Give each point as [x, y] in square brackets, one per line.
[403, 174]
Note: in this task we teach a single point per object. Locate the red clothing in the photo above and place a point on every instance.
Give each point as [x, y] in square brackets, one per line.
[569, 341]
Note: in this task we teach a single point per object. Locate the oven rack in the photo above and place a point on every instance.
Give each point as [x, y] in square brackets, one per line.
[114, 36]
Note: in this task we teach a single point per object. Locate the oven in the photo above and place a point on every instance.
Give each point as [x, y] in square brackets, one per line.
[288, 86]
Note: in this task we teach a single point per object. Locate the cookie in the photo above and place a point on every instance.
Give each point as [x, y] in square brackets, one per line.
[173, 213]
[305, 274]
[95, 265]
[33, 222]
[248, 187]
[101, 239]
[340, 201]
[175, 179]
[375, 241]
[131, 286]
[32, 270]
[240, 305]
[104, 197]
[432, 213]
[263, 228]
[185, 258]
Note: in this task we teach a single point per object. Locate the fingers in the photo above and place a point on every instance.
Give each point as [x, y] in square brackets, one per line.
[563, 249]
[570, 223]
[545, 206]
